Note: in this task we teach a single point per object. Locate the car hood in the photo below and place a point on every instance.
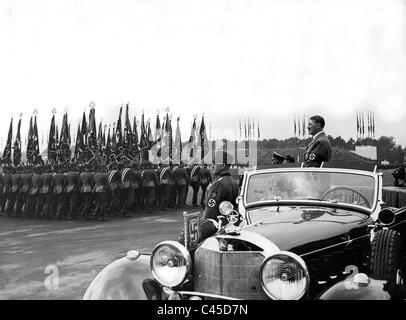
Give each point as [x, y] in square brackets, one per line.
[301, 229]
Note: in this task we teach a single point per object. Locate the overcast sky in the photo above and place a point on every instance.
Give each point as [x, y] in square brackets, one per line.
[268, 60]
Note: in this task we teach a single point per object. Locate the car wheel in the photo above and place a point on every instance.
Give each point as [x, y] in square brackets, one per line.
[386, 261]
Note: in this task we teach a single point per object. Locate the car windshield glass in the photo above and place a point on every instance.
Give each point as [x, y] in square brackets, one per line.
[336, 187]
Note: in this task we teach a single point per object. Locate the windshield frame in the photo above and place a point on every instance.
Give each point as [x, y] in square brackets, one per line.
[281, 202]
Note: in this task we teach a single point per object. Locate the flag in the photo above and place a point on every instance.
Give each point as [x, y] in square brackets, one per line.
[192, 141]
[204, 143]
[107, 151]
[143, 140]
[6, 158]
[91, 130]
[128, 136]
[64, 145]
[245, 128]
[240, 129]
[52, 156]
[294, 126]
[37, 157]
[358, 124]
[373, 125]
[177, 150]
[158, 132]
[304, 126]
[79, 145]
[17, 146]
[135, 138]
[258, 131]
[83, 129]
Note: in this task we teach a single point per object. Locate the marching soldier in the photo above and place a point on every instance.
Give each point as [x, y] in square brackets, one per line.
[114, 197]
[127, 190]
[16, 189]
[87, 184]
[13, 188]
[182, 184]
[204, 180]
[34, 194]
[101, 191]
[193, 172]
[166, 181]
[8, 183]
[59, 182]
[223, 188]
[1, 191]
[137, 184]
[149, 184]
[25, 190]
[47, 199]
[72, 190]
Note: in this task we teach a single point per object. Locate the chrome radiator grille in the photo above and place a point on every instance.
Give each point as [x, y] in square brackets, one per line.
[229, 273]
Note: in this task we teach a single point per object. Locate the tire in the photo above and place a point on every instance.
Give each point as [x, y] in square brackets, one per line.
[386, 255]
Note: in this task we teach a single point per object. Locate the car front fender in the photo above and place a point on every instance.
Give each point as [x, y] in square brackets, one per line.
[121, 280]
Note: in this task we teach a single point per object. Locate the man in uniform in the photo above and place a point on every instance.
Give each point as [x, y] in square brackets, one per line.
[72, 190]
[1, 191]
[25, 190]
[223, 188]
[399, 175]
[149, 184]
[34, 195]
[87, 183]
[193, 173]
[115, 186]
[8, 183]
[47, 198]
[166, 181]
[127, 189]
[319, 149]
[59, 182]
[204, 180]
[101, 191]
[16, 190]
[182, 184]
[136, 186]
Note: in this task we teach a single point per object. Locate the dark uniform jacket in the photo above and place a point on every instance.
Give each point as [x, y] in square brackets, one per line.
[166, 176]
[87, 182]
[27, 182]
[137, 179]
[17, 182]
[7, 182]
[205, 176]
[318, 151]
[114, 179]
[149, 178]
[193, 173]
[127, 177]
[59, 181]
[221, 189]
[46, 182]
[36, 184]
[181, 176]
[73, 182]
[101, 183]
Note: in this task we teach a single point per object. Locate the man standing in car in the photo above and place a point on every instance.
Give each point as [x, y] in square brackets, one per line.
[319, 149]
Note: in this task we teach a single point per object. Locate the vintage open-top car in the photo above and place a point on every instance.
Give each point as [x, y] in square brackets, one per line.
[296, 233]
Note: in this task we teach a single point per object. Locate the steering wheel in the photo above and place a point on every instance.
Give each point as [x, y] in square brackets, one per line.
[343, 194]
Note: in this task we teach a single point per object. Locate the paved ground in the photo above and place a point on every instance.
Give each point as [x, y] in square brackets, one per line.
[32, 250]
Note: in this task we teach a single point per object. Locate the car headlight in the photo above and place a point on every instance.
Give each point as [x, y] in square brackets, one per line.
[284, 276]
[170, 262]
[226, 207]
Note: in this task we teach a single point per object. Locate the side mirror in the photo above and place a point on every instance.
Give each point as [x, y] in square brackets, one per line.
[386, 216]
